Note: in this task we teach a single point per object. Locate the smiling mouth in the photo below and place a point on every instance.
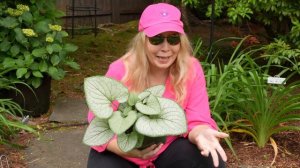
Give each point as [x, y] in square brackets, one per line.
[162, 58]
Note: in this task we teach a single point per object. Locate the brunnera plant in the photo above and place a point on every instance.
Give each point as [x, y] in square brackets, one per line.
[132, 117]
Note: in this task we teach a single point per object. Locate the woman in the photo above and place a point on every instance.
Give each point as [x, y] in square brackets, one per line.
[161, 54]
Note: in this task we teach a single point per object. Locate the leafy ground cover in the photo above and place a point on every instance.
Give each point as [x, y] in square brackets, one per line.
[94, 55]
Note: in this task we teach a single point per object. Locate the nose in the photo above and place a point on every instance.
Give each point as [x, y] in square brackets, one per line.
[165, 45]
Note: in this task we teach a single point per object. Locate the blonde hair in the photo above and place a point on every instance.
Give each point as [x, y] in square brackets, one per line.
[138, 66]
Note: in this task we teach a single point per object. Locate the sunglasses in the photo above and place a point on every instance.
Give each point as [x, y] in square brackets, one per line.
[159, 39]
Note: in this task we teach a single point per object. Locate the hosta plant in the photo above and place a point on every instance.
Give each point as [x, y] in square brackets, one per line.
[133, 118]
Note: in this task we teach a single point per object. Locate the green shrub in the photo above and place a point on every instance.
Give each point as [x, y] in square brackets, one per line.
[280, 18]
[31, 41]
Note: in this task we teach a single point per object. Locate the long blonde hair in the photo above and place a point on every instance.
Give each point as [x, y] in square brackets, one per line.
[138, 66]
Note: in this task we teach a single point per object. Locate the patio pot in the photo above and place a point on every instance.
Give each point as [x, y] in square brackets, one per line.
[34, 101]
[148, 141]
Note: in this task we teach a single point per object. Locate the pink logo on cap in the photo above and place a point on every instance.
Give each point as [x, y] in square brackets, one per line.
[164, 13]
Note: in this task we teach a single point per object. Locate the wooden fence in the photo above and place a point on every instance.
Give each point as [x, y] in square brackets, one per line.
[90, 13]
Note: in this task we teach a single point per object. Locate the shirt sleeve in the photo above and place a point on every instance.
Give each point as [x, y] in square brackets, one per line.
[197, 104]
[115, 71]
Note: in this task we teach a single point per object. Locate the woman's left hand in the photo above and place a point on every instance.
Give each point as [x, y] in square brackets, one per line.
[207, 140]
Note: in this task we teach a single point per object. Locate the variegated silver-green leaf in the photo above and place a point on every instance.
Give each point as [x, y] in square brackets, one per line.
[122, 106]
[132, 99]
[157, 90]
[145, 100]
[171, 121]
[127, 142]
[140, 140]
[100, 92]
[119, 123]
[151, 107]
[127, 110]
[97, 133]
[144, 95]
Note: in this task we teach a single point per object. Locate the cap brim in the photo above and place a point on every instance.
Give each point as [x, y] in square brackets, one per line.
[163, 27]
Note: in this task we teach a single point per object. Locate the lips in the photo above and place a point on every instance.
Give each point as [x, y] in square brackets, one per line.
[163, 58]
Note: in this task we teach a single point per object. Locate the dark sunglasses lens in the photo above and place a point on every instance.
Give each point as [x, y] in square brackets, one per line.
[156, 40]
[173, 40]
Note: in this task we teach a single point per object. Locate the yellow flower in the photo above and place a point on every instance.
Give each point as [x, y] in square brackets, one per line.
[9, 10]
[14, 12]
[49, 39]
[29, 33]
[55, 27]
[23, 8]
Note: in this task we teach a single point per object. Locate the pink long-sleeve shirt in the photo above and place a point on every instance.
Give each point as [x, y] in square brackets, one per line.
[195, 104]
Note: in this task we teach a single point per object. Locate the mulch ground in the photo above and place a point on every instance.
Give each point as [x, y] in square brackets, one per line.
[249, 155]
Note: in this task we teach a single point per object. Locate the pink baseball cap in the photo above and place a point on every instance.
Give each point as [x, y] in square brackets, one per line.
[159, 18]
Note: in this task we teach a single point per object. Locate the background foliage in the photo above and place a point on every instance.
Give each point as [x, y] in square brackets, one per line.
[240, 97]
[280, 18]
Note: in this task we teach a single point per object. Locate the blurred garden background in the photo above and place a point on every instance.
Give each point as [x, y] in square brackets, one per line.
[47, 48]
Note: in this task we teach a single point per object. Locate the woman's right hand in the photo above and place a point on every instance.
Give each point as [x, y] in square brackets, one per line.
[135, 153]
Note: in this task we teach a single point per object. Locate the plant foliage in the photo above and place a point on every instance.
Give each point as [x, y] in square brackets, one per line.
[9, 123]
[31, 41]
[132, 117]
[241, 99]
[280, 18]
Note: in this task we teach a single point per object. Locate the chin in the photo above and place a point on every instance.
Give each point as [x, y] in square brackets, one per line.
[163, 66]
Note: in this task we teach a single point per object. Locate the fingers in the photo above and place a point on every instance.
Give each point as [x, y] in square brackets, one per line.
[151, 151]
[222, 153]
[203, 147]
[205, 152]
[214, 150]
[222, 135]
[158, 148]
[209, 144]
[150, 148]
[215, 158]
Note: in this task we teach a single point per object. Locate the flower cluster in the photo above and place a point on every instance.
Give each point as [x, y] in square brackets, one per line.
[19, 11]
[14, 12]
[29, 33]
[23, 8]
[55, 27]
[49, 39]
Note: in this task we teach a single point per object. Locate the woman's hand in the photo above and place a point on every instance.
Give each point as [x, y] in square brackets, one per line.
[207, 140]
[135, 153]
[145, 153]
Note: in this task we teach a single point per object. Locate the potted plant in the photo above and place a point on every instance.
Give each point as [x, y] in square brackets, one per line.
[32, 46]
[137, 119]
[9, 123]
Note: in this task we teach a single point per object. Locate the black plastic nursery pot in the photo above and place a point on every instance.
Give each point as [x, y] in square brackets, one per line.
[33, 101]
[148, 141]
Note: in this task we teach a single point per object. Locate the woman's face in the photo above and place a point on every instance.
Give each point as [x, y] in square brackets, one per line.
[162, 50]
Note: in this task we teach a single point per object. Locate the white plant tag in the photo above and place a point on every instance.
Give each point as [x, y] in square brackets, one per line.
[276, 80]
